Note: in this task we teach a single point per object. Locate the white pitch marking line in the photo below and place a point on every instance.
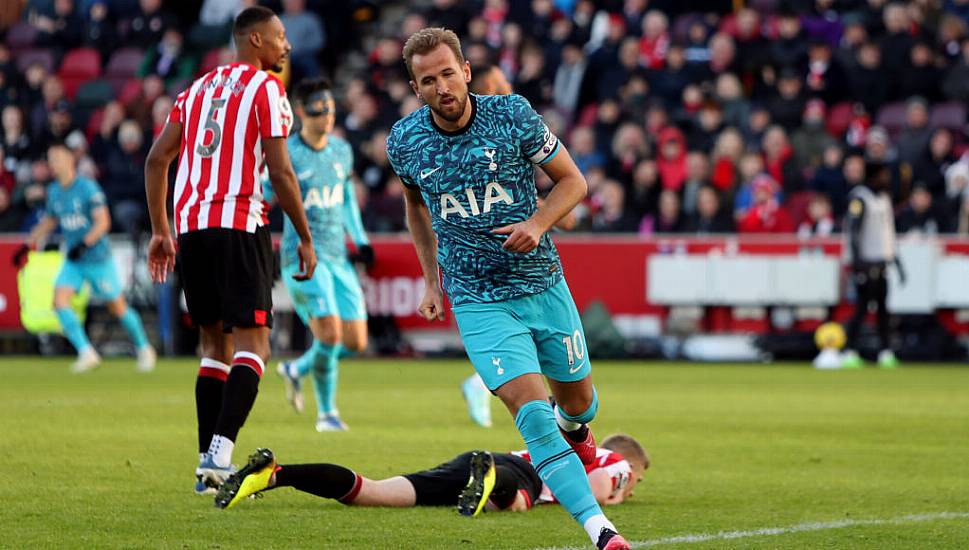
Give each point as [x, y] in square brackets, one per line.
[773, 531]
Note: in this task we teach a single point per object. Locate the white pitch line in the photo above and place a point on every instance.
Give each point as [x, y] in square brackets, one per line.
[774, 531]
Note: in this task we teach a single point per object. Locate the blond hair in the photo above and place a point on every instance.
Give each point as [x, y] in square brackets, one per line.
[425, 40]
[627, 446]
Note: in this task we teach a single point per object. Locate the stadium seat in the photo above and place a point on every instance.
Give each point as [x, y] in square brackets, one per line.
[892, 117]
[93, 94]
[79, 66]
[129, 91]
[21, 36]
[123, 65]
[950, 115]
[838, 119]
[27, 58]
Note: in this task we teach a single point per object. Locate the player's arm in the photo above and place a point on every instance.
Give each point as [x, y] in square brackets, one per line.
[161, 248]
[856, 214]
[286, 187]
[570, 188]
[425, 241]
[601, 484]
[353, 223]
[41, 231]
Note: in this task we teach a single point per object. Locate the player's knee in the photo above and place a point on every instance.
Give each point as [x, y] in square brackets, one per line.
[582, 410]
[356, 343]
[330, 334]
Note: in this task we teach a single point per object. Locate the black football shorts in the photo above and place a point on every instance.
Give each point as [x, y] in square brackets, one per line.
[441, 485]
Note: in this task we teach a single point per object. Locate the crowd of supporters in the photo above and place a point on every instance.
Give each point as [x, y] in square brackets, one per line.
[751, 119]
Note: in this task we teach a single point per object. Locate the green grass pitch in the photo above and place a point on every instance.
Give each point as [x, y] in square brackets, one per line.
[106, 459]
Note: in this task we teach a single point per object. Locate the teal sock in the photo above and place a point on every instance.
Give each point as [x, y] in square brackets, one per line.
[73, 329]
[131, 322]
[556, 462]
[325, 376]
[304, 363]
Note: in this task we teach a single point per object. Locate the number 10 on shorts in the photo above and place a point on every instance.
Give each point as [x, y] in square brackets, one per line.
[574, 347]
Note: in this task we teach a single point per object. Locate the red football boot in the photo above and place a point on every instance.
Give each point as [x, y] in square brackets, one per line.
[611, 540]
[585, 449]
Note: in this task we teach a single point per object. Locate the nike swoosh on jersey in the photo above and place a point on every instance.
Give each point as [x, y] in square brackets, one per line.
[426, 173]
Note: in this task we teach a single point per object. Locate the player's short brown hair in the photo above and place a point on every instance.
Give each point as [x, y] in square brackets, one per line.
[627, 446]
[425, 40]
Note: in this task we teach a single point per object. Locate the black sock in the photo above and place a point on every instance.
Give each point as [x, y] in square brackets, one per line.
[506, 487]
[240, 393]
[579, 435]
[208, 405]
[323, 480]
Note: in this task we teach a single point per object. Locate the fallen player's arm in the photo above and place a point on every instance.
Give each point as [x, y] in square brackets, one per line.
[601, 484]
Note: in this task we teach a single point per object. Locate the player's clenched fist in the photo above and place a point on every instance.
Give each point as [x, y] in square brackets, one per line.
[523, 237]
[432, 306]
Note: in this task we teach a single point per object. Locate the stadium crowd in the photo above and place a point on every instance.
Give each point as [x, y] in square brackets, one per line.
[756, 119]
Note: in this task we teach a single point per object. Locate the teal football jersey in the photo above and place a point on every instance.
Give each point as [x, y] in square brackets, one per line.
[475, 180]
[328, 197]
[73, 207]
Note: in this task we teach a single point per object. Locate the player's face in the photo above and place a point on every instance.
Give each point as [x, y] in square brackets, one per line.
[319, 113]
[495, 83]
[61, 162]
[442, 82]
[274, 48]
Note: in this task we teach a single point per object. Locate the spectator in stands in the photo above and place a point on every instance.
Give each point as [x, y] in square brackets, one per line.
[879, 150]
[787, 106]
[726, 155]
[10, 218]
[111, 117]
[766, 215]
[124, 178]
[63, 31]
[148, 25]
[52, 93]
[9, 91]
[819, 221]
[655, 40]
[867, 79]
[696, 49]
[723, 55]
[7, 178]
[825, 77]
[533, 82]
[100, 30]
[730, 95]
[751, 167]
[16, 143]
[582, 146]
[30, 195]
[920, 77]
[669, 217]
[922, 214]
[914, 137]
[896, 44]
[567, 84]
[375, 169]
[610, 215]
[779, 160]
[707, 126]
[643, 196]
[603, 58]
[671, 161]
[829, 179]
[159, 114]
[219, 12]
[168, 60]
[139, 108]
[812, 138]
[384, 212]
[305, 32]
[667, 84]
[697, 177]
[931, 166]
[955, 85]
[449, 14]
[60, 123]
[710, 217]
[629, 146]
[789, 49]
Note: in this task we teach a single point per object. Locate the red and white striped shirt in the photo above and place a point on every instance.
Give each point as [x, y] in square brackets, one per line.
[224, 116]
[613, 463]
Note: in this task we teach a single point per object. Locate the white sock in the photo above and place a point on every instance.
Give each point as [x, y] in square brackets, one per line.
[221, 451]
[564, 423]
[593, 526]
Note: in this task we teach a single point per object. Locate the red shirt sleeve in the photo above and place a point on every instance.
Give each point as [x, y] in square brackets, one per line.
[273, 113]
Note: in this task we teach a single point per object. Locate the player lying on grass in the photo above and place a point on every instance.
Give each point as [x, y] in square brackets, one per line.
[473, 481]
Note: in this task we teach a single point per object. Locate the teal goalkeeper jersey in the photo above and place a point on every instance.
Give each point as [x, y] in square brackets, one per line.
[475, 180]
[73, 207]
[328, 198]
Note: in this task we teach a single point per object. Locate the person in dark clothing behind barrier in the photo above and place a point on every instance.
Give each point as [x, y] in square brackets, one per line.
[870, 229]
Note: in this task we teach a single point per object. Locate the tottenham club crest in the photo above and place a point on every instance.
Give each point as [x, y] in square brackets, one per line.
[490, 153]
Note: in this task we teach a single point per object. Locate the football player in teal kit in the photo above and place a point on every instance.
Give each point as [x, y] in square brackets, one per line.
[78, 206]
[467, 163]
[331, 303]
